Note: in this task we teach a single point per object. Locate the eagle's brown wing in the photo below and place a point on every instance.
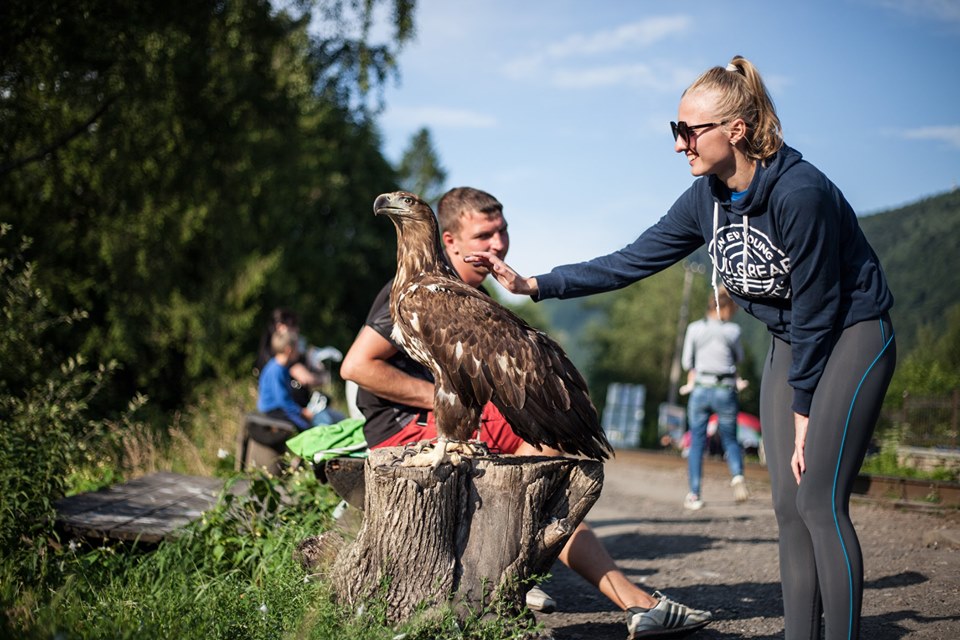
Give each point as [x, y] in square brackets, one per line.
[485, 350]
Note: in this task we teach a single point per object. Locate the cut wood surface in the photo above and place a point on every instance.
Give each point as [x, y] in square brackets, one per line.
[471, 535]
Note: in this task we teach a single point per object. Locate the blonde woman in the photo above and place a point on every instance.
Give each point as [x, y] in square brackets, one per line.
[787, 246]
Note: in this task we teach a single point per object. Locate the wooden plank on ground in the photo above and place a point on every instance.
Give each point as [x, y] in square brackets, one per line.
[148, 509]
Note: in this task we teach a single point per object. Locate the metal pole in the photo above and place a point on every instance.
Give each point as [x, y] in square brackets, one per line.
[688, 270]
[953, 417]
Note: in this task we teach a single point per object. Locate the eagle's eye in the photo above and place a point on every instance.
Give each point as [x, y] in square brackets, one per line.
[407, 200]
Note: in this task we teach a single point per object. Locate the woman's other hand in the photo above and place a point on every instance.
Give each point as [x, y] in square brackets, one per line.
[797, 463]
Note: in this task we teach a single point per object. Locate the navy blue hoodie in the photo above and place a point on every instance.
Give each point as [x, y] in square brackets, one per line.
[790, 252]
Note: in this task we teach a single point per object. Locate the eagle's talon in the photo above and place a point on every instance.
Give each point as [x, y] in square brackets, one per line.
[452, 451]
[480, 448]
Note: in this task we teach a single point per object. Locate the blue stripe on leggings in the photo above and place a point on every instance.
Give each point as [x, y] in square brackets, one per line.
[836, 475]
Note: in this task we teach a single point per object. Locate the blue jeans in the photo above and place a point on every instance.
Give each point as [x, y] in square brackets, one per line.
[705, 401]
[327, 416]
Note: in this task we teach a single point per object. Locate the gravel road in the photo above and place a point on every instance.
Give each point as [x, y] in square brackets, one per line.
[724, 558]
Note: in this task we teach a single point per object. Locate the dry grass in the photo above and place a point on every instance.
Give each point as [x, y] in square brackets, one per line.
[200, 440]
[196, 441]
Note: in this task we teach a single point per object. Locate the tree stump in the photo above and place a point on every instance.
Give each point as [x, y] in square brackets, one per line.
[471, 536]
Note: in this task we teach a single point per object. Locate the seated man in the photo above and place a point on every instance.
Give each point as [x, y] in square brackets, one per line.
[396, 398]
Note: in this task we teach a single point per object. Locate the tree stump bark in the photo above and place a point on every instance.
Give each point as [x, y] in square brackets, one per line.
[470, 536]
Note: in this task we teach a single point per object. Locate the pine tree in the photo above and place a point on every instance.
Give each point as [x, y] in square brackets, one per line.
[420, 171]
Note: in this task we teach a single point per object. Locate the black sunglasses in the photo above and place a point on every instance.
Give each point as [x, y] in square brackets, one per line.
[684, 130]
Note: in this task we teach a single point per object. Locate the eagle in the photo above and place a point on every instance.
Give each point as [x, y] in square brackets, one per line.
[478, 350]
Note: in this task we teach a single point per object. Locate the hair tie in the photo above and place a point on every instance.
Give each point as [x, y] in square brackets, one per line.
[732, 67]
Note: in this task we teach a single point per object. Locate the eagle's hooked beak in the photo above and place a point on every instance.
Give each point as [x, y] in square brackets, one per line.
[381, 203]
[392, 203]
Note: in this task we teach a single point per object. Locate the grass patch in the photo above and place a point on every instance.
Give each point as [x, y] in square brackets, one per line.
[886, 463]
[231, 575]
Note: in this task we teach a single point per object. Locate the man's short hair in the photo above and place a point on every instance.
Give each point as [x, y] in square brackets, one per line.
[459, 202]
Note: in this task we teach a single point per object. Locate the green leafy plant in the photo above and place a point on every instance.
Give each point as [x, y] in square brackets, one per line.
[44, 401]
[886, 463]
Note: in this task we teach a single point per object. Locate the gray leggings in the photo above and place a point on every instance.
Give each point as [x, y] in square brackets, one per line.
[821, 566]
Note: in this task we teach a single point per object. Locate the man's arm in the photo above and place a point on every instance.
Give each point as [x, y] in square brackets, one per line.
[366, 363]
[306, 377]
[687, 354]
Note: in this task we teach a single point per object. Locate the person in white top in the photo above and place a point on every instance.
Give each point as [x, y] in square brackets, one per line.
[711, 351]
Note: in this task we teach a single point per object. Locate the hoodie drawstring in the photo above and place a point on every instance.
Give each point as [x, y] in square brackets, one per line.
[745, 255]
[713, 257]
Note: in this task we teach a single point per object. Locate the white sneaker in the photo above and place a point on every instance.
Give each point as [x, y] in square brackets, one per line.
[539, 600]
[668, 619]
[692, 502]
[318, 402]
[740, 492]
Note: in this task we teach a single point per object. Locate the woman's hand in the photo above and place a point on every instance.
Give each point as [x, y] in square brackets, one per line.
[797, 463]
[506, 276]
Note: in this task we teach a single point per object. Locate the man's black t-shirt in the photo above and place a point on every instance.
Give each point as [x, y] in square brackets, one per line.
[384, 417]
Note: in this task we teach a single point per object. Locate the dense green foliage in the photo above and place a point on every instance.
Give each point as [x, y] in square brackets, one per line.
[229, 576]
[932, 367]
[184, 168]
[916, 244]
[44, 399]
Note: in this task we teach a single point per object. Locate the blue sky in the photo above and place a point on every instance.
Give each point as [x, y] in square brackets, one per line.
[561, 108]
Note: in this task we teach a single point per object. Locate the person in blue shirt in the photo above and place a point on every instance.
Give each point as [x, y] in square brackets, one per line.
[786, 244]
[275, 395]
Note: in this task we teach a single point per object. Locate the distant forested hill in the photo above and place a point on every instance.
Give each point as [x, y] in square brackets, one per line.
[919, 247]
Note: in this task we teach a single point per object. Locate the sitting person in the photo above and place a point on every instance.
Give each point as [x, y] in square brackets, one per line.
[305, 374]
[396, 397]
[275, 396]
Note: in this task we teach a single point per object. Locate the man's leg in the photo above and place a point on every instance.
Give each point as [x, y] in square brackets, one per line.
[726, 406]
[648, 616]
[699, 409]
[583, 552]
[586, 555]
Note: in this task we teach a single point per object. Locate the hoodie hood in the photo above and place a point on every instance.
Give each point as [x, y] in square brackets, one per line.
[765, 178]
[754, 202]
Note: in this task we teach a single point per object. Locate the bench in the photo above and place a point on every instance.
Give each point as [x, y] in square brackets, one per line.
[260, 442]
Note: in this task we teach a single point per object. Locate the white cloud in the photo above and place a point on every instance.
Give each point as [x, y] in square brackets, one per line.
[659, 76]
[582, 50]
[438, 117]
[947, 134]
[632, 35]
[633, 74]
